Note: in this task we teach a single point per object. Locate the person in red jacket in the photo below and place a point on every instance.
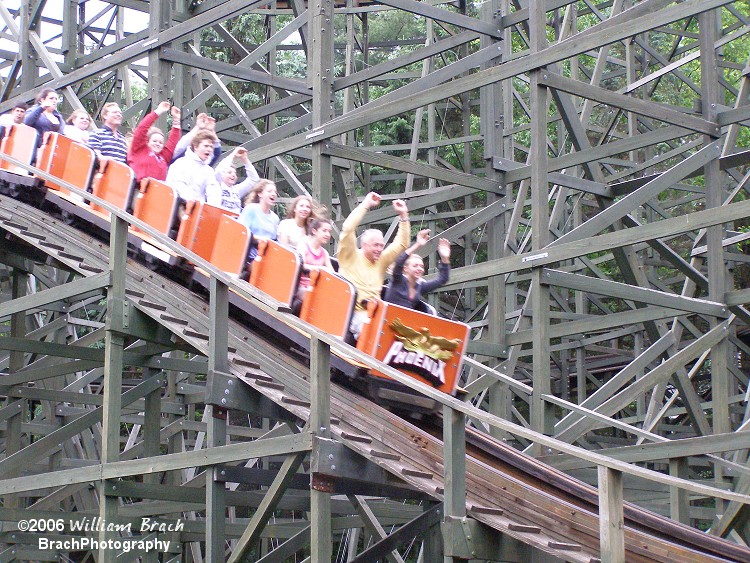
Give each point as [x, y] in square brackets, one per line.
[149, 156]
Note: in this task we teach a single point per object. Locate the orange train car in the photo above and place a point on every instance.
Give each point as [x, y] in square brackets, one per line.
[425, 347]
[19, 141]
[68, 160]
[428, 348]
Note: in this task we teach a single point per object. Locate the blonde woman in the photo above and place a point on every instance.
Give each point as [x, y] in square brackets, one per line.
[294, 226]
[77, 126]
[258, 214]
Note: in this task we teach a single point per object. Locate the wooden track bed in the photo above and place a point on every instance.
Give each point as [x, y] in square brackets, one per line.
[556, 516]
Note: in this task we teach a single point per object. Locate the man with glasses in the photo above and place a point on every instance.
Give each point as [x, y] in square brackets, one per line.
[108, 142]
[366, 266]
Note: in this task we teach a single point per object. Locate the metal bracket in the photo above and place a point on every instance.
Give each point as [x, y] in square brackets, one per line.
[139, 324]
[219, 413]
[119, 314]
[351, 473]
[323, 483]
[226, 391]
[466, 538]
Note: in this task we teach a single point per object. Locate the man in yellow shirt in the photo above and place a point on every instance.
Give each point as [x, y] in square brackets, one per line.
[365, 267]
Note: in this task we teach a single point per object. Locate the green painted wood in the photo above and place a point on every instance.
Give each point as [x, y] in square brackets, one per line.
[59, 293]
[167, 462]
[404, 165]
[611, 521]
[373, 527]
[628, 103]
[121, 56]
[268, 504]
[613, 31]
[599, 243]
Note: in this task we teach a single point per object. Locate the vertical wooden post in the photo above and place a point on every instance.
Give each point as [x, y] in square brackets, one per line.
[541, 412]
[454, 464]
[320, 55]
[152, 423]
[321, 547]
[454, 468]
[151, 440]
[492, 119]
[216, 434]
[721, 377]
[26, 51]
[321, 76]
[15, 363]
[611, 516]
[159, 71]
[679, 499]
[114, 341]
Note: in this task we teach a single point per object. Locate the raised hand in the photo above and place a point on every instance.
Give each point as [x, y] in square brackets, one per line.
[444, 249]
[241, 153]
[201, 121]
[422, 237]
[399, 205]
[176, 113]
[162, 108]
[371, 200]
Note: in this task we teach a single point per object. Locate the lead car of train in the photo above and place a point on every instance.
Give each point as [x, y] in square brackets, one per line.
[423, 346]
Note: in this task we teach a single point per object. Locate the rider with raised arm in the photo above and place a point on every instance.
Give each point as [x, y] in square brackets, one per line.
[149, 154]
[407, 286]
[366, 266]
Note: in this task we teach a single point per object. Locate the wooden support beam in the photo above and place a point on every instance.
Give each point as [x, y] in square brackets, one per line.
[121, 56]
[411, 166]
[265, 509]
[440, 14]
[167, 462]
[629, 103]
[53, 295]
[216, 434]
[373, 526]
[611, 517]
[647, 296]
[608, 241]
[114, 341]
[620, 28]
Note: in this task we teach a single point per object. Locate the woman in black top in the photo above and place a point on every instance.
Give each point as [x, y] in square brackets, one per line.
[407, 286]
[44, 115]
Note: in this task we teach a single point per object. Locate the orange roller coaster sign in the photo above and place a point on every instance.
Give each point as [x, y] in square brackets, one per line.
[427, 347]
